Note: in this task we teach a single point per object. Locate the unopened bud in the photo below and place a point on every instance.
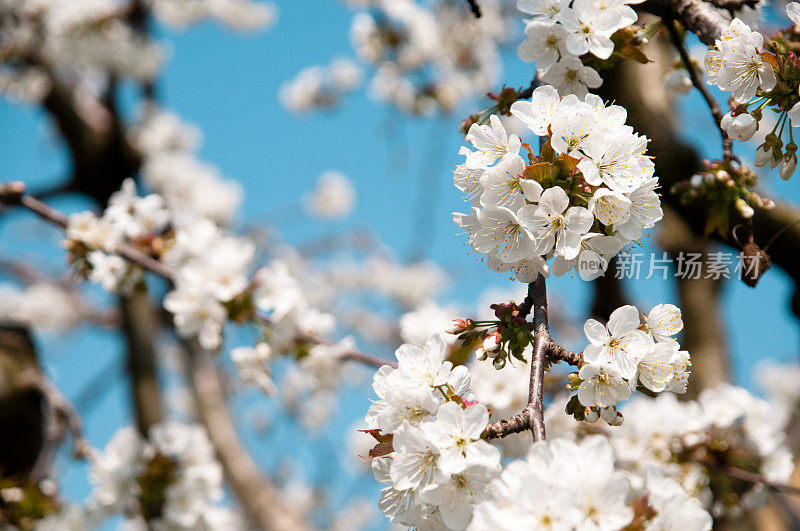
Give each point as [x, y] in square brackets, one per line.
[499, 362]
[763, 154]
[745, 210]
[467, 123]
[457, 326]
[590, 414]
[608, 413]
[492, 342]
[617, 420]
[789, 163]
[480, 354]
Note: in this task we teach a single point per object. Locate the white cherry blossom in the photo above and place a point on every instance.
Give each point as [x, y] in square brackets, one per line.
[553, 224]
[620, 345]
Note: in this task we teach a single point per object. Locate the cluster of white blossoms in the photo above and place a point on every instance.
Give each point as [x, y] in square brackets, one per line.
[563, 484]
[439, 467]
[759, 79]
[320, 87]
[560, 31]
[735, 63]
[441, 474]
[90, 39]
[333, 197]
[170, 167]
[43, 306]
[169, 481]
[590, 193]
[241, 15]
[430, 56]
[625, 354]
[126, 218]
[691, 442]
[80, 36]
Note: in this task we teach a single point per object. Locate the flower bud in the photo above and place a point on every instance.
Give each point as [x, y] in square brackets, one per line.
[677, 81]
[608, 414]
[492, 342]
[745, 210]
[696, 180]
[590, 414]
[789, 162]
[457, 326]
[777, 153]
[742, 127]
[480, 354]
[763, 155]
[499, 362]
[617, 420]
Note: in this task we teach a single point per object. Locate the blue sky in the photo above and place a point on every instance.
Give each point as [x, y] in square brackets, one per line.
[227, 84]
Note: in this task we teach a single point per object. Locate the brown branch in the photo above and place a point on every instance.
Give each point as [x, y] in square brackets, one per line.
[139, 324]
[751, 477]
[541, 341]
[699, 84]
[260, 499]
[734, 5]
[532, 417]
[704, 332]
[556, 353]
[608, 293]
[697, 16]
[22, 410]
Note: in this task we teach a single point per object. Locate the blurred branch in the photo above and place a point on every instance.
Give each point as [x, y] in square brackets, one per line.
[62, 419]
[260, 499]
[22, 412]
[704, 331]
[139, 324]
[608, 293]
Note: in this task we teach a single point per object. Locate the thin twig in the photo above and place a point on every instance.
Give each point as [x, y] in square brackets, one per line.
[697, 81]
[532, 417]
[13, 194]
